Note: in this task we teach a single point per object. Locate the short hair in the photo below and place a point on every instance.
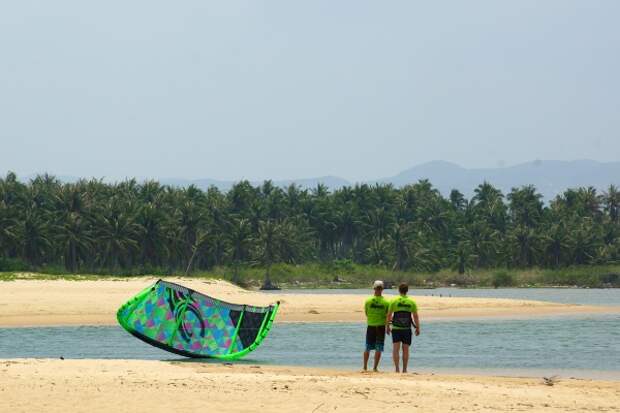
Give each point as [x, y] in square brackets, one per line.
[403, 288]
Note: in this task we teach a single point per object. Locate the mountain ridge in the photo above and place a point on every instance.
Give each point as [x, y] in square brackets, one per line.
[550, 177]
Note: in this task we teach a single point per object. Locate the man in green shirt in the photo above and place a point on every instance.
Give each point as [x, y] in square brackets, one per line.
[376, 309]
[403, 313]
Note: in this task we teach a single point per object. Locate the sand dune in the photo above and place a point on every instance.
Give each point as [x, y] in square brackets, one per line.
[61, 302]
[51, 386]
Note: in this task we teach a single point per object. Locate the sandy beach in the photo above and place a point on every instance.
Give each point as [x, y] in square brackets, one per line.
[53, 385]
[29, 385]
[62, 302]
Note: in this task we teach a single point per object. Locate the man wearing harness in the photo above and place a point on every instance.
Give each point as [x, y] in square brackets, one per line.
[376, 308]
[403, 313]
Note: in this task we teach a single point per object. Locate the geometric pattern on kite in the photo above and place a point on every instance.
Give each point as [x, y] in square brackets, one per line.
[186, 322]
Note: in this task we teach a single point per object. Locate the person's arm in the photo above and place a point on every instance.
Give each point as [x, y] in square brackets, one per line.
[416, 320]
[388, 319]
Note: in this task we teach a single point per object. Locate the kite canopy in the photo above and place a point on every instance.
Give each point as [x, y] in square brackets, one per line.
[186, 322]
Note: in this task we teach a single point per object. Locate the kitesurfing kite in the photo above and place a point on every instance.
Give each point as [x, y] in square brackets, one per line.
[186, 322]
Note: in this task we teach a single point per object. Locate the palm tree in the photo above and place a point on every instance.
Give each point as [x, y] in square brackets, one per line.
[555, 243]
[462, 257]
[347, 228]
[584, 242]
[280, 241]
[200, 243]
[34, 234]
[611, 199]
[457, 200]
[75, 240]
[525, 206]
[487, 204]
[377, 223]
[240, 242]
[590, 201]
[484, 242]
[151, 241]
[191, 219]
[266, 248]
[118, 235]
[523, 240]
[378, 251]
[8, 229]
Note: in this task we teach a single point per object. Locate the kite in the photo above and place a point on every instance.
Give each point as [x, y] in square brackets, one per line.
[186, 322]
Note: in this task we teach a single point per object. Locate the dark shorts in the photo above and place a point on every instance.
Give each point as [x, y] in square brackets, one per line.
[402, 336]
[375, 337]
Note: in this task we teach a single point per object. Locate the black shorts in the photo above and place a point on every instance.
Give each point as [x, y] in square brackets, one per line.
[402, 336]
[375, 338]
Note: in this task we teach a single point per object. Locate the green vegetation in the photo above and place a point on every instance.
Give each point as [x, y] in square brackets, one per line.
[347, 275]
[362, 276]
[292, 235]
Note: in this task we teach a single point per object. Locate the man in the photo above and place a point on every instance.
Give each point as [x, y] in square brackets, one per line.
[403, 312]
[376, 308]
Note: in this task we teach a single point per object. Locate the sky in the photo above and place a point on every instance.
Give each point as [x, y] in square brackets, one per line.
[291, 89]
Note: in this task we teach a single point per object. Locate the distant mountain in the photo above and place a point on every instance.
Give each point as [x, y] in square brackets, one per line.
[549, 177]
[331, 182]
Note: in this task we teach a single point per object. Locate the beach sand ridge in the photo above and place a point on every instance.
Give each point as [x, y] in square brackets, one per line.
[89, 302]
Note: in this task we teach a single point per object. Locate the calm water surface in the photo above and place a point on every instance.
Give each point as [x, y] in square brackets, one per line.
[587, 296]
[587, 346]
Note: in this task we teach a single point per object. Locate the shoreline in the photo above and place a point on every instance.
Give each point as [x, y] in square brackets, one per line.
[158, 386]
[65, 303]
[7, 322]
[385, 368]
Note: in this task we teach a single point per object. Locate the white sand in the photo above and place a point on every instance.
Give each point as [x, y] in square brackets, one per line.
[60, 302]
[155, 386]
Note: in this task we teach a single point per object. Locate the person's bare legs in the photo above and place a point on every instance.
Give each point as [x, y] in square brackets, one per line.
[405, 357]
[366, 357]
[396, 356]
[377, 358]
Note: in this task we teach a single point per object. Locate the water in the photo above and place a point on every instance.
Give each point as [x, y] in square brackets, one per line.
[585, 296]
[587, 346]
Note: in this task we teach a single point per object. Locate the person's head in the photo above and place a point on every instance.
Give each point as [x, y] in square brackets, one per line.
[403, 288]
[378, 287]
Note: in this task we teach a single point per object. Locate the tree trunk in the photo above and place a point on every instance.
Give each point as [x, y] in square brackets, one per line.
[191, 261]
[235, 277]
[267, 284]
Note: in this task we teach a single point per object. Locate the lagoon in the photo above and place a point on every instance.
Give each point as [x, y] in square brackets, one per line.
[585, 346]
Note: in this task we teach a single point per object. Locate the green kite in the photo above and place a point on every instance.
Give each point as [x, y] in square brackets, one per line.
[186, 322]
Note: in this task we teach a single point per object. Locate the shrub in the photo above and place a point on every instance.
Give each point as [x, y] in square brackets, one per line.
[12, 264]
[503, 279]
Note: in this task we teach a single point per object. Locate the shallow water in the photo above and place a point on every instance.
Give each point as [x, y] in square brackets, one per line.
[587, 346]
[586, 296]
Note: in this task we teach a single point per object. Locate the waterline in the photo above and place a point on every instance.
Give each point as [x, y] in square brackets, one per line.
[575, 346]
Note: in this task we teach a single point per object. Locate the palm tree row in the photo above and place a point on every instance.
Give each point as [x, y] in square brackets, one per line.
[128, 226]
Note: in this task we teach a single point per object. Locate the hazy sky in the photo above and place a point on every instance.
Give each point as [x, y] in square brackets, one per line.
[288, 89]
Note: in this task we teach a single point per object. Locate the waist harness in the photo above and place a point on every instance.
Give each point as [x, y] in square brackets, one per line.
[402, 319]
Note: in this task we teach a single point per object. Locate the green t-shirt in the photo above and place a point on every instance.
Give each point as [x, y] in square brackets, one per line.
[376, 309]
[402, 304]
